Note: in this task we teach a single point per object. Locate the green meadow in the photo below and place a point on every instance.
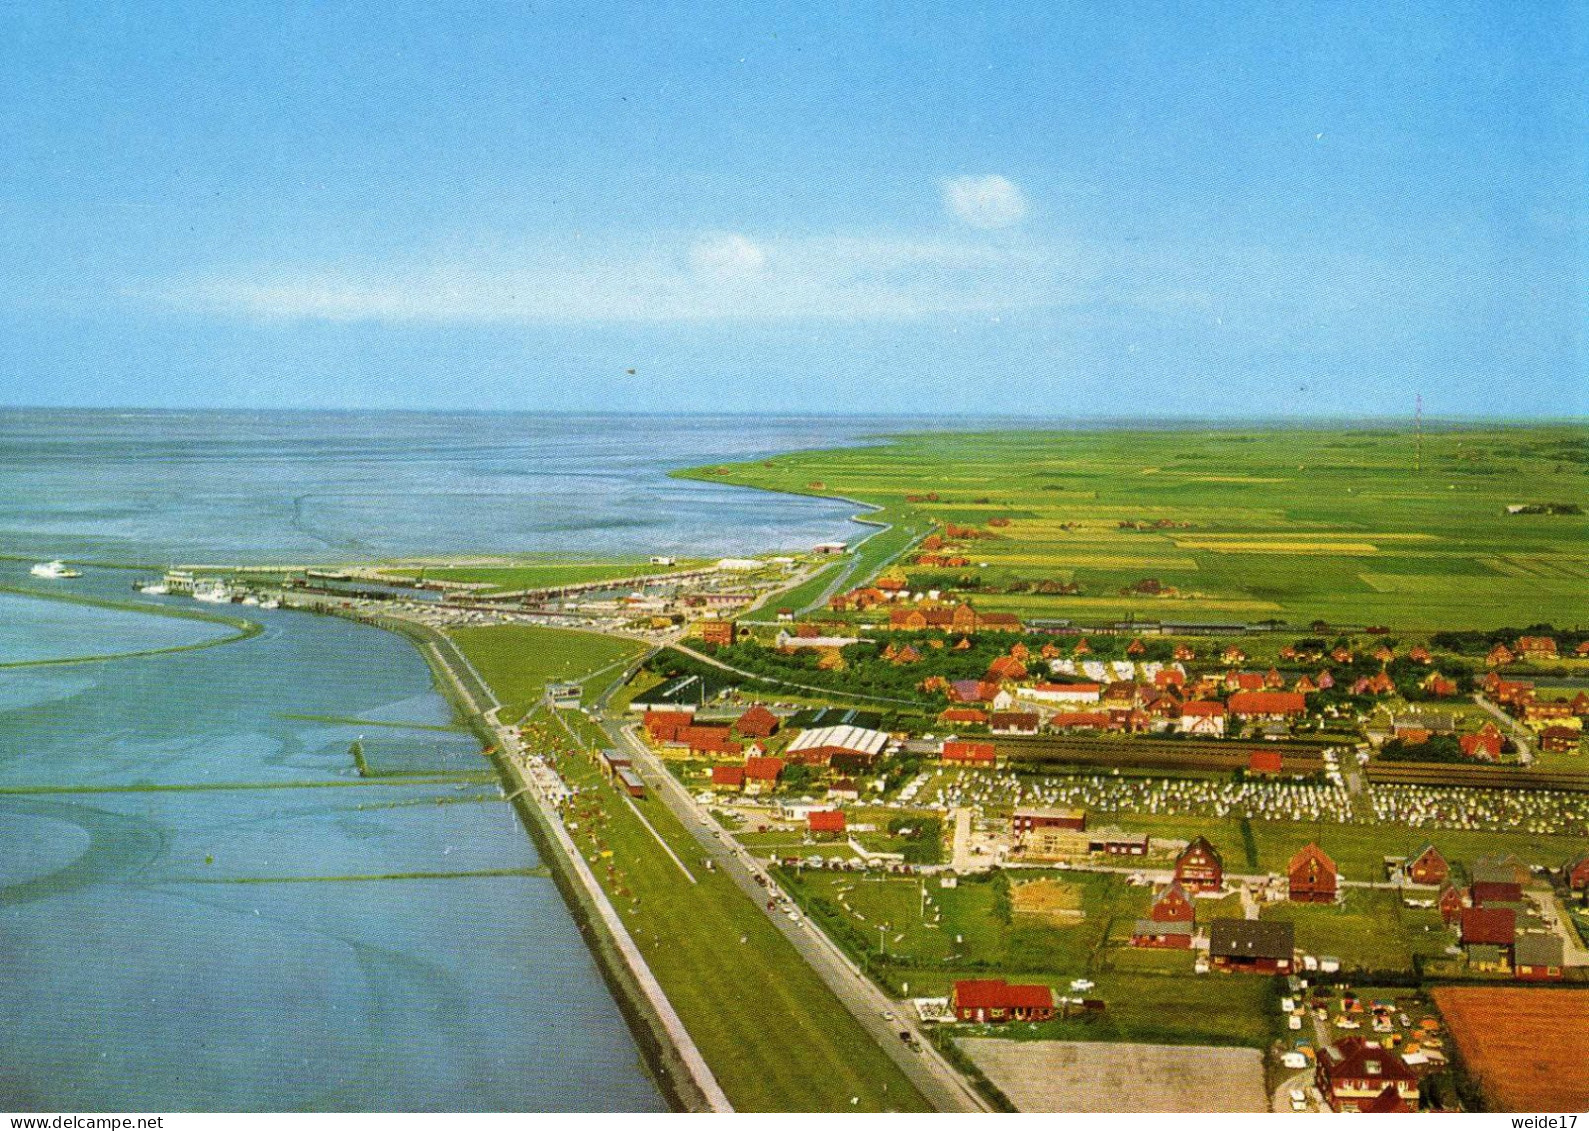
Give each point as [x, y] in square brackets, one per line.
[1352, 526]
[776, 1037]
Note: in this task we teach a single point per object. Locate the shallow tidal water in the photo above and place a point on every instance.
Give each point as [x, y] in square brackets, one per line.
[244, 947]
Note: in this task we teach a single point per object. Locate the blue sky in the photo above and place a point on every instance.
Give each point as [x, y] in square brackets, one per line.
[1052, 209]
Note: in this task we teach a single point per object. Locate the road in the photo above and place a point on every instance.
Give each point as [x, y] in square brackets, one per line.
[944, 1088]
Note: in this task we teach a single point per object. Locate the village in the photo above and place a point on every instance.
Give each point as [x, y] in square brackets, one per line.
[1131, 810]
[1124, 836]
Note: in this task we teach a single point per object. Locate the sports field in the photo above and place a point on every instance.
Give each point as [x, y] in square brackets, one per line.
[1355, 526]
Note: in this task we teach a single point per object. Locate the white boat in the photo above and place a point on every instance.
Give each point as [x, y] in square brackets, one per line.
[53, 570]
[214, 592]
[270, 603]
[154, 589]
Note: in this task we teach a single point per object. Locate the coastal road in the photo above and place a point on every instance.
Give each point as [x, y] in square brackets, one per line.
[881, 1017]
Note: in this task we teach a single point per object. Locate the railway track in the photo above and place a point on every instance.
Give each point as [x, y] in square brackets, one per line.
[1148, 754]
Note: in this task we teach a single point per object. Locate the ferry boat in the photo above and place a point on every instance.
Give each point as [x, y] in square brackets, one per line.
[53, 570]
[151, 588]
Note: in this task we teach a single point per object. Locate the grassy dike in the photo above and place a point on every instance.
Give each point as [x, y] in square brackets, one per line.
[775, 1037]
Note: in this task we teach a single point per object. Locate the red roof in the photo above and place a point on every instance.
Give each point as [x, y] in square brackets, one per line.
[1489, 891]
[1264, 761]
[825, 820]
[996, 993]
[662, 726]
[1089, 720]
[1204, 708]
[968, 752]
[964, 715]
[758, 722]
[763, 769]
[1492, 926]
[1267, 703]
[732, 776]
[709, 739]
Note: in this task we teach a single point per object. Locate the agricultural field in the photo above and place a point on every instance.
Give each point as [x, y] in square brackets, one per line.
[1248, 525]
[1528, 1049]
[1063, 1076]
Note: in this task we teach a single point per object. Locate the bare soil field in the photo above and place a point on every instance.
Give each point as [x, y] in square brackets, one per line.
[1060, 1076]
[1052, 899]
[1528, 1048]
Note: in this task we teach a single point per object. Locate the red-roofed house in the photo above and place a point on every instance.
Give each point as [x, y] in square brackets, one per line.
[1173, 906]
[994, 1000]
[758, 722]
[1484, 743]
[969, 753]
[1267, 704]
[1312, 876]
[1199, 867]
[1015, 722]
[1203, 717]
[970, 715]
[825, 822]
[728, 777]
[1489, 934]
[1536, 647]
[1428, 866]
[709, 741]
[1263, 762]
[1577, 873]
[1353, 1073]
[761, 774]
[1559, 740]
[664, 726]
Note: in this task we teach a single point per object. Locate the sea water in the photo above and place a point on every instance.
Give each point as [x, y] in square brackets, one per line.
[254, 944]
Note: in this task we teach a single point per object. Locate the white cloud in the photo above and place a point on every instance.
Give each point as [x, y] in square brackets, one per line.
[985, 202]
[727, 255]
[713, 278]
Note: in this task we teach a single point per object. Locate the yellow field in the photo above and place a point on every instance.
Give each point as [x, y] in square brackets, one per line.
[1253, 546]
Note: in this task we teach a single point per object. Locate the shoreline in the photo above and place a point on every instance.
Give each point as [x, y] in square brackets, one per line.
[669, 1054]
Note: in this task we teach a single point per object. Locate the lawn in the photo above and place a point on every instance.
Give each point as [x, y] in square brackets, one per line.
[518, 660]
[1368, 930]
[776, 1037]
[1293, 524]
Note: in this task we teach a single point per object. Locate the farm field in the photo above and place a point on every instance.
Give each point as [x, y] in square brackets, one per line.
[1249, 525]
[1062, 1076]
[1528, 1049]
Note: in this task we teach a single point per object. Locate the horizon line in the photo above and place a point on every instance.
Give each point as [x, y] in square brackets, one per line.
[816, 414]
